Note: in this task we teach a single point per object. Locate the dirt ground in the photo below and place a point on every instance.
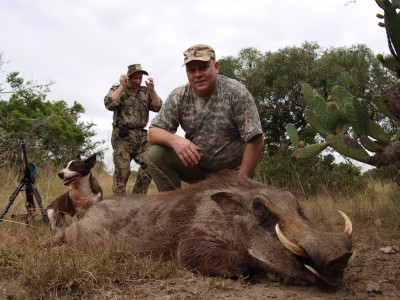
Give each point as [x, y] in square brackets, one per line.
[374, 274]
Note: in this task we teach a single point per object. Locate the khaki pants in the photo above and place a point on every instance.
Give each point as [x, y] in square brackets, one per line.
[168, 171]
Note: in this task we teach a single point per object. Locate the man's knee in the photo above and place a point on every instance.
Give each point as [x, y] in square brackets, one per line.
[156, 154]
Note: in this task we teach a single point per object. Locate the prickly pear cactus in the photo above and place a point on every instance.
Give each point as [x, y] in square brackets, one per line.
[345, 124]
[391, 22]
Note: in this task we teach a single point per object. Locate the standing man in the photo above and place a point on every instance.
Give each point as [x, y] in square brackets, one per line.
[220, 119]
[131, 104]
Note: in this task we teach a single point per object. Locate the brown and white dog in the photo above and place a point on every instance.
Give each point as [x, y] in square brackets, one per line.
[83, 191]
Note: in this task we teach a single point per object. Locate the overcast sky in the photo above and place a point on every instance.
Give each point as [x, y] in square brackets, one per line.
[84, 45]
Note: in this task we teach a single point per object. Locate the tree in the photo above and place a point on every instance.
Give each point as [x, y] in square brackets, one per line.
[346, 120]
[52, 129]
[275, 80]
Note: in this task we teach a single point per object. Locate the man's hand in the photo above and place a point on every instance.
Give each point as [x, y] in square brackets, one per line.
[123, 80]
[150, 84]
[187, 151]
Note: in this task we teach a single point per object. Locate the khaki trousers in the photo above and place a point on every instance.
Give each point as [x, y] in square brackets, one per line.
[168, 171]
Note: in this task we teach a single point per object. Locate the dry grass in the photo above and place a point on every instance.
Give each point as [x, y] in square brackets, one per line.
[371, 211]
[66, 273]
[29, 272]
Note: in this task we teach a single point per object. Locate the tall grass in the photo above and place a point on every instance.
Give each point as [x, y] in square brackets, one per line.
[374, 211]
[64, 272]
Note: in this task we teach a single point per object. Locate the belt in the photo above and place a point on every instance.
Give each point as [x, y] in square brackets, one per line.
[137, 128]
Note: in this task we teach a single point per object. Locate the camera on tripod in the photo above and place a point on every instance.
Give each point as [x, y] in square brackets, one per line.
[28, 184]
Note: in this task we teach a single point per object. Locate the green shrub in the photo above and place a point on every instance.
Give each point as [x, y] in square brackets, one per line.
[311, 176]
[384, 174]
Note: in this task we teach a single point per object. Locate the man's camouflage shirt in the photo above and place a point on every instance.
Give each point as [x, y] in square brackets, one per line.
[133, 108]
[220, 124]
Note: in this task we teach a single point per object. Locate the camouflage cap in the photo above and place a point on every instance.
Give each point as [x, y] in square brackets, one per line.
[200, 52]
[134, 69]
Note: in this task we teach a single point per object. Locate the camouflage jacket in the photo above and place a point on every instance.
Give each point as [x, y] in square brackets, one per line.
[132, 109]
[220, 124]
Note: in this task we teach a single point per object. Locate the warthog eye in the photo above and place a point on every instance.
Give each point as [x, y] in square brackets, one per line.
[262, 213]
[257, 204]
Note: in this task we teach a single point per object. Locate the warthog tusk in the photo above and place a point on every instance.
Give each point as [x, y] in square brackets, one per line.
[316, 273]
[348, 226]
[351, 259]
[288, 244]
[312, 270]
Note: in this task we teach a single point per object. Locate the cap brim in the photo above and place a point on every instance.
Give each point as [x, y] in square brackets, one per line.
[142, 71]
[199, 58]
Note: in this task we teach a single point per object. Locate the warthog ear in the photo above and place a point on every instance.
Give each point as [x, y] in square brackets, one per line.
[229, 202]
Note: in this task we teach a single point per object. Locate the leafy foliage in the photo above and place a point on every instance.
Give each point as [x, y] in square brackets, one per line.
[364, 124]
[384, 174]
[51, 129]
[312, 176]
[275, 80]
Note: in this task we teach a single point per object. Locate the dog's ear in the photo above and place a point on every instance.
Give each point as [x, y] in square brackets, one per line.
[78, 157]
[91, 161]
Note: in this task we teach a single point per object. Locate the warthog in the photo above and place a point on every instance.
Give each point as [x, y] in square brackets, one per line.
[225, 226]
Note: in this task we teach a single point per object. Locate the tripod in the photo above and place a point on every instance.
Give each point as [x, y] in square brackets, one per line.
[30, 190]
